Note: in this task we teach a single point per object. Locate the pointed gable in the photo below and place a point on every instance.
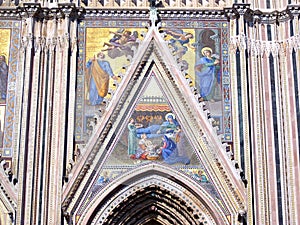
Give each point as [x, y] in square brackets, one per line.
[153, 87]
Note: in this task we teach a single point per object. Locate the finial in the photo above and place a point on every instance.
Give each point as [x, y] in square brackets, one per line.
[153, 13]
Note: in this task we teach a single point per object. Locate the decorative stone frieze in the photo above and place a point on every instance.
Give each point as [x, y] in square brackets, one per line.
[231, 12]
[34, 10]
[261, 17]
[264, 48]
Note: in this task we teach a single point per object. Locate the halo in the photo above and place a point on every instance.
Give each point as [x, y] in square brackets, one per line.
[5, 56]
[170, 114]
[205, 49]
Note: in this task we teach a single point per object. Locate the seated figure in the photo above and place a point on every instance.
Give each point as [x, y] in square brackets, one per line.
[158, 130]
[169, 152]
[145, 147]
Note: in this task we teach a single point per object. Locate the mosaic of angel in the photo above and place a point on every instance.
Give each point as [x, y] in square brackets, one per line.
[180, 41]
[123, 42]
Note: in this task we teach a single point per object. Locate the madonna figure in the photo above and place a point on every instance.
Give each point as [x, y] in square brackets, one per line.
[207, 72]
[169, 152]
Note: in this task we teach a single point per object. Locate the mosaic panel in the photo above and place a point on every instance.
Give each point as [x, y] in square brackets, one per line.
[200, 48]
[153, 133]
[9, 46]
[106, 51]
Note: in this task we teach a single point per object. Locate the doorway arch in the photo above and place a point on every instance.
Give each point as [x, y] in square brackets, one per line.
[154, 194]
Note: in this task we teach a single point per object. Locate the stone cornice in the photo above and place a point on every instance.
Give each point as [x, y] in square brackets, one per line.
[123, 13]
[74, 12]
[35, 10]
[167, 13]
[9, 14]
[262, 17]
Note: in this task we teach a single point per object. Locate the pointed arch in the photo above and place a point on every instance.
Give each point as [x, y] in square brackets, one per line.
[154, 57]
[7, 203]
[156, 192]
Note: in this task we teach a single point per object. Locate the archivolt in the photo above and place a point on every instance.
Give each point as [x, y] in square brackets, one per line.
[156, 193]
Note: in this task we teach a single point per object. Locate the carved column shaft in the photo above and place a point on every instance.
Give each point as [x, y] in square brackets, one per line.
[257, 129]
[43, 137]
[59, 138]
[58, 123]
[35, 119]
[268, 136]
[272, 116]
[49, 58]
[72, 94]
[244, 109]
[290, 172]
[28, 120]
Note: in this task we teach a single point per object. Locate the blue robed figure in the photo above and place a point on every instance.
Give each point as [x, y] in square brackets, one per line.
[169, 152]
[207, 72]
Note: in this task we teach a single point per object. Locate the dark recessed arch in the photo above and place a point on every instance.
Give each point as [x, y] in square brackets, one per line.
[154, 193]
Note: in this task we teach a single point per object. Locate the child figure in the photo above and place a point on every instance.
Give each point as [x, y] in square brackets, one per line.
[145, 147]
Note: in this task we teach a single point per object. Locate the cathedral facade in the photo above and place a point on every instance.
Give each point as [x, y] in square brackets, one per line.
[150, 112]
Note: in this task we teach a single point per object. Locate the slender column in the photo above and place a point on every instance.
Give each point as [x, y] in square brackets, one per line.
[245, 110]
[257, 131]
[268, 135]
[72, 95]
[34, 129]
[279, 146]
[49, 85]
[53, 165]
[41, 164]
[290, 142]
[27, 139]
[59, 119]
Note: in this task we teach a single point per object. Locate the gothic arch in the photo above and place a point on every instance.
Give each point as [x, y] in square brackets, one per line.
[155, 57]
[153, 193]
[7, 207]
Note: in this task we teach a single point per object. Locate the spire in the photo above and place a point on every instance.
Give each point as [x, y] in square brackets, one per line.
[153, 13]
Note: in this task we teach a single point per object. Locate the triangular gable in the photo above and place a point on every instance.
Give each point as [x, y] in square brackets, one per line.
[150, 122]
[155, 57]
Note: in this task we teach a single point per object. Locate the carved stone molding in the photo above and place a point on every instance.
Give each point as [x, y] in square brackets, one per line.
[264, 48]
[34, 10]
[167, 194]
[74, 12]
[261, 17]
[192, 14]
[9, 13]
[9, 199]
